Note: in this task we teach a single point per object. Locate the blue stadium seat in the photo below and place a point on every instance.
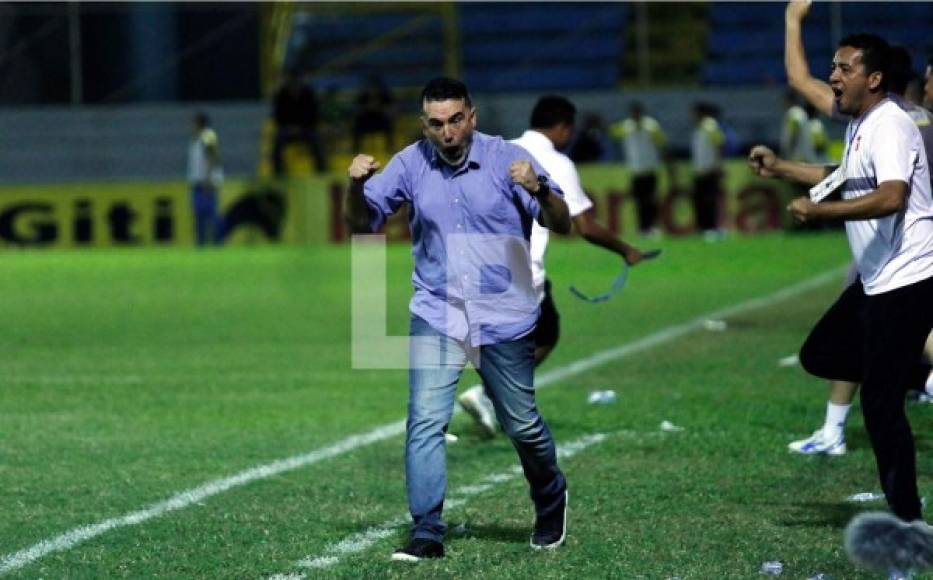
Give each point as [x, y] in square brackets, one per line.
[560, 77]
[531, 47]
[508, 18]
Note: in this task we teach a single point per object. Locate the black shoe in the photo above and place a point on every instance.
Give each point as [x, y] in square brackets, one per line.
[549, 532]
[419, 549]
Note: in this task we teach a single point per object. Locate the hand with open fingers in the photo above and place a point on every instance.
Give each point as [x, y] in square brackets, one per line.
[761, 160]
[362, 167]
[803, 209]
[523, 174]
[797, 10]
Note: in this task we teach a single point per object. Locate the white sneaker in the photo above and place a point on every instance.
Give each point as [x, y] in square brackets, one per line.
[818, 443]
[475, 402]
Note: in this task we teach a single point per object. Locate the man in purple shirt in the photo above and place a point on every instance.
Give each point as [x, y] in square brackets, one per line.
[472, 201]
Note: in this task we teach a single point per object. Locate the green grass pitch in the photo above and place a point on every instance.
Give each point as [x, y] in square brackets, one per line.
[130, 376]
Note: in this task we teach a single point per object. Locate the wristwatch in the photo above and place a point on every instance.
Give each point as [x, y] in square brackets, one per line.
[543, 187]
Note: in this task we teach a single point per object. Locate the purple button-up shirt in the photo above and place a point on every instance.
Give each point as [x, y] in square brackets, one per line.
[470, 228]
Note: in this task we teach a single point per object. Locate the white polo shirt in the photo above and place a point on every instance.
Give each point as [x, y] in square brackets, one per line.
[564, 174]
[882, 145]
[199, 166]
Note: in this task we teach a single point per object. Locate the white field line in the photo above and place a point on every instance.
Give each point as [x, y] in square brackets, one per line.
[361, 541]
[186, 498]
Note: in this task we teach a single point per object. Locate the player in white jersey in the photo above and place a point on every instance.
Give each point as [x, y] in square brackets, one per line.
[552, 126]
[830, 438]
[875, 332]
[205, 176]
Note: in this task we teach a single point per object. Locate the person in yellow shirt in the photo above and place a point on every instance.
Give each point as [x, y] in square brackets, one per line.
[643, 142]
[706, 154]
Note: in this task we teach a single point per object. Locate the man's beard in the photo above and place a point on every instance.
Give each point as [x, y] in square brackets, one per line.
[454, 162]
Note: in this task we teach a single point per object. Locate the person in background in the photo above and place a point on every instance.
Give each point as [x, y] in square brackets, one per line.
[795, 142]
[643, 141]
[706, 156]
[205, 175]
[590, 143]
[295, 110]
[816, 133]
[374, 113]
[551, 128]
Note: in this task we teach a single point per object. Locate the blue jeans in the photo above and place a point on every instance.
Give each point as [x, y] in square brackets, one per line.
[507, 370]
[207, 222]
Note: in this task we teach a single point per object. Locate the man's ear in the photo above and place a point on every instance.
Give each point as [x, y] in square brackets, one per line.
[874, 80]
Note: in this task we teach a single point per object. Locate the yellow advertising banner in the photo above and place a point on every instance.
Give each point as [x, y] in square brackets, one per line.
[309, 209]
[147, 213]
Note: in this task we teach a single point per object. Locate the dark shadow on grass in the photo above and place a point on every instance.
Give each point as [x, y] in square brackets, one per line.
[821, 514]
[493, 532]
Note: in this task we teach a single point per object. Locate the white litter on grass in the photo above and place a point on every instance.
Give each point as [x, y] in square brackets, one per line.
[772, 568]
[602, 397]
[789, 361]
[714, 325]
[865, 496]
[451, 438]
[71, 538]
[820, 576]
[669, 427]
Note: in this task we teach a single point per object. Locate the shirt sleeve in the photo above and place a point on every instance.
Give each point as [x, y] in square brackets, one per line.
[386, 192]
[894, 150]
[569, 182]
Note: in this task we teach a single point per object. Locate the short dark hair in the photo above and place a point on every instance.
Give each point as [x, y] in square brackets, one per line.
[202, 119]
[443, 89]
[874, 54]
[552, 110]
[900, 69]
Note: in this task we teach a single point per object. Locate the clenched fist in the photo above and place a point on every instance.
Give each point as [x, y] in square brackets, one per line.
[797, 10]
[803, 209]
[523, 174]
[761, 161]
[362, 167]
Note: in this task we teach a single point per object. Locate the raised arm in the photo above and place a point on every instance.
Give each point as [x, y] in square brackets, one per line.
[356, 210]
[764, 163]
[554, 213]
[817, 92]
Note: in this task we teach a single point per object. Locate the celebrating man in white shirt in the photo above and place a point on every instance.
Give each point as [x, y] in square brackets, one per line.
[552, 126]
[875, 332]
